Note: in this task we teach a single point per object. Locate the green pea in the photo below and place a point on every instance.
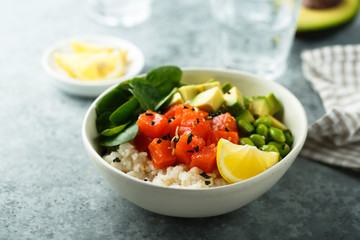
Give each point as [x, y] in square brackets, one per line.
[262, 130]
[246, 141]
[245, 126]
[263, 120]
[257, 139]
[269, 148]
[277, 134]
[288, 137]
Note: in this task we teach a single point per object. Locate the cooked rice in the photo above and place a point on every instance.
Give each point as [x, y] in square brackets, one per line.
[136, 164]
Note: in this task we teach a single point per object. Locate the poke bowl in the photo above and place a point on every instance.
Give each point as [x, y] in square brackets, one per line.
[174, 200]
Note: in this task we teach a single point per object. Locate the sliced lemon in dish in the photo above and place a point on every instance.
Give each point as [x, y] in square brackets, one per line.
[80, 47]
[92, 66]
[240, 162]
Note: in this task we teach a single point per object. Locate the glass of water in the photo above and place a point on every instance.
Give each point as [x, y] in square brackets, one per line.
[255, 35]
[126, 13]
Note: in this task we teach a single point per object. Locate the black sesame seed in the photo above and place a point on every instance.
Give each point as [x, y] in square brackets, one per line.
[168, 135]
[176, 140]
[204, 175]
[145, 180]
[169, 120]
[226, 129]
[149, 114]
[164, 137]
[189, 138]
[218, 112]
[117, 160]
[159, 141]
[185, 107]
[152, 123]
[198, 121]
[190, 151]
[193, 109]
[207, 182]
[196, 148]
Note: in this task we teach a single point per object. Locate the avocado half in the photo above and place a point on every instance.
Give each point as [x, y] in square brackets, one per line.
[319, 19]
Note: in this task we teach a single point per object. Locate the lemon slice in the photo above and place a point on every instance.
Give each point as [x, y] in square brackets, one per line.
[92, 66]
[239, 162]
[80, 47]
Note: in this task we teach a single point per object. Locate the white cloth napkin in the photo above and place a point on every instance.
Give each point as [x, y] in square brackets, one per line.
[334, 73]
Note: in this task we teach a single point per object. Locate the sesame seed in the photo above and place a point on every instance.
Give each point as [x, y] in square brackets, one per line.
[189, 138]
[207, 182]
[190, 151]
[176, 140]
[196, 148]
[159, 141]
[198, 121]
[226, 129]
[117, 160]
[164, 137]
[185, 107]
[149, 114]
[152, 123]
[204, 175]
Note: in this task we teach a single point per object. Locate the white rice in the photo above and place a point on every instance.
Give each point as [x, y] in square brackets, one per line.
[136, 164]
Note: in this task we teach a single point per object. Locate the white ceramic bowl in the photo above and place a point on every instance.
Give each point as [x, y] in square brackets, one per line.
[213, 201]
[135, 63]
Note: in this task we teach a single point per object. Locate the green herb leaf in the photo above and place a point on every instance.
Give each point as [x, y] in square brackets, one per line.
[103, 122]
[115, 130]
[166, 100]
[125, 111]
[113, 99]
[164, 79]
[145, 93]
[128, 134]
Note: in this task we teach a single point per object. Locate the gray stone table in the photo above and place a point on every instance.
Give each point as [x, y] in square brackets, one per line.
[49, 189]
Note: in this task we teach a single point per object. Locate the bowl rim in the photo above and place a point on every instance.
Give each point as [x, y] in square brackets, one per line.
[84, 83]
[230, 187]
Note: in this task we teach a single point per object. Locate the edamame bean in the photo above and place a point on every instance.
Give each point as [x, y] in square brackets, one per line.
[246, 141]
[283, 149]
[257, 139]
[288, 137]
[262, 130]
[245, 126]
[277, 134]
[269, 148]
[263, 120]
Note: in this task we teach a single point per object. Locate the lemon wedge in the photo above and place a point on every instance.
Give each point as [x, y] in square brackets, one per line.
[80, 47]
[239, 162]
[91, 62]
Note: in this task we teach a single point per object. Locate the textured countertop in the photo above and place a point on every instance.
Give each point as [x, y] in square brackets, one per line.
[49, 189]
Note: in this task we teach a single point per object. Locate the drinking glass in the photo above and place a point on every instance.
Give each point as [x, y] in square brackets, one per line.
[255, 35]
[125, 13]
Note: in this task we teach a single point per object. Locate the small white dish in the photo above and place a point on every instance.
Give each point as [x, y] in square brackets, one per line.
[134, 65]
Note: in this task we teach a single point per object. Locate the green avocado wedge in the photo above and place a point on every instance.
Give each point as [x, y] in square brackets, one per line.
[311, 20]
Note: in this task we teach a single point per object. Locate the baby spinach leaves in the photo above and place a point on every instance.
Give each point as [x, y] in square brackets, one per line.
[118, 110]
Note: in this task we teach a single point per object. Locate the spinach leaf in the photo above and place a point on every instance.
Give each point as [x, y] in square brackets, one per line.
[166, 100]
[128, 134]
[164, 79]
[125, 111]
[113, 99]
[145, 93]
[115, 130]
[103, 122]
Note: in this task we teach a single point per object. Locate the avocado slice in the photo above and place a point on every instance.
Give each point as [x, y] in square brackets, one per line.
[234, 101]
[226, 87]
[209, 100]
[275, 105]
[311, 19]
[207, 85]
[188, 92]
[246, 115]
[176, 99]
[260, 106]
[276, 123]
